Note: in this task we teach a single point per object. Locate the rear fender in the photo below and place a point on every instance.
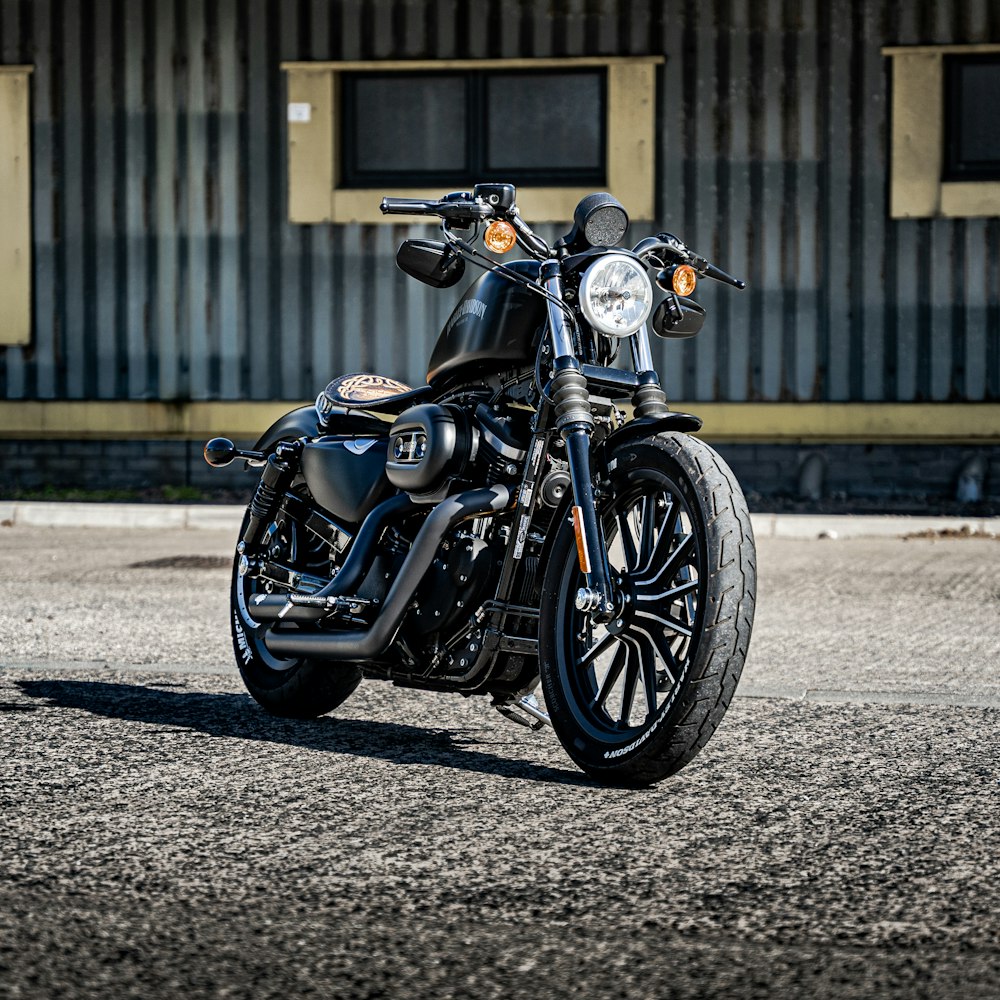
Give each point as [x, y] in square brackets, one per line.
[304, 422]
[295, 424]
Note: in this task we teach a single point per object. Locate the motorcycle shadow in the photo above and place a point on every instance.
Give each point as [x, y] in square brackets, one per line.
[237, 716]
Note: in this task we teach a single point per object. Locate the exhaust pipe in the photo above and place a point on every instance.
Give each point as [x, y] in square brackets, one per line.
[266, 608]
[364, 644]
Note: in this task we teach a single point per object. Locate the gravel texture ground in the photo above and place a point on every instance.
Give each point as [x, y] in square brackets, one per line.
[161, 837]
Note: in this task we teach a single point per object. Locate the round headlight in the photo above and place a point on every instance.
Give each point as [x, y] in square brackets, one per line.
[616, 295]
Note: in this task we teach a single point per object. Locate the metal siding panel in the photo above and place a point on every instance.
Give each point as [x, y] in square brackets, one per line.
[734, 380]
[132, 236]
[905, 333]
[940, 293]
[968, 360]
[773, 206]
[873, 167]
[704, 352]
[837, 219]
[71, 223]
[806, 317]
[44, 188]
[199, 215]
[106, 235]
[232, 233]
[293, 316]
[262, 340]
[354, 331]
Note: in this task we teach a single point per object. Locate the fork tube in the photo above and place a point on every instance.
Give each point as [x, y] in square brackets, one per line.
[575, 424]
[649, 400]
[642, 356]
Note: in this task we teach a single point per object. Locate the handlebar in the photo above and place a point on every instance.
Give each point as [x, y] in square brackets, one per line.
[458, 207]
[681, 253]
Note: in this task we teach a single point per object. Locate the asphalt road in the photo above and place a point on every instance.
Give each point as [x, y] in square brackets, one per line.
[161, 836]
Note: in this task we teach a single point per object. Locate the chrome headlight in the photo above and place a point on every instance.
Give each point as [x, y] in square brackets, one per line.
[616, 295]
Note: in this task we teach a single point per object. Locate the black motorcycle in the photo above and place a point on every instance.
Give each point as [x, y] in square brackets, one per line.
[533, 511]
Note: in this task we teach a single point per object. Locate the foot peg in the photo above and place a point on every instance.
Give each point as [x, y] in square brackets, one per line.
[524, 711]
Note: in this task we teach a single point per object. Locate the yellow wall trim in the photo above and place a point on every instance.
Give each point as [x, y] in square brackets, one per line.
[874, 423]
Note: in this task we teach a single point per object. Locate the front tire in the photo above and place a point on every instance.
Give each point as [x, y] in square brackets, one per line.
[291, 689]
[634, 700]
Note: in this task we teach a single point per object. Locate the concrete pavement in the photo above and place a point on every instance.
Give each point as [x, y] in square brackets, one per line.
[162, 837]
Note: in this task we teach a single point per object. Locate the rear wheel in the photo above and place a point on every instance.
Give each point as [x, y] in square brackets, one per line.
[635, 699]
[296, 688]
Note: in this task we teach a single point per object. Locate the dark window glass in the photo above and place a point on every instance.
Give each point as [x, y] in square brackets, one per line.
[399, 119]
[972, 121]
[412, 129]
[545, 122]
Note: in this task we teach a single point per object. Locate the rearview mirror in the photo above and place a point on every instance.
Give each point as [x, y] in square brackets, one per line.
[434, 263]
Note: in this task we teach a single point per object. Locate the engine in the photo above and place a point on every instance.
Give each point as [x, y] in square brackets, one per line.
[433, 445]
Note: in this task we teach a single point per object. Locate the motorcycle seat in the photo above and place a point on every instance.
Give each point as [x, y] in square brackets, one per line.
[377, 393]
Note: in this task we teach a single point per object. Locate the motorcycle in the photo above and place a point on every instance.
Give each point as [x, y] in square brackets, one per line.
[534, 512]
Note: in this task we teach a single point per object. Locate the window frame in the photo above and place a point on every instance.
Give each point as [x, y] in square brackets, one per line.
[919, 187]
[316, 192]
[477, 122]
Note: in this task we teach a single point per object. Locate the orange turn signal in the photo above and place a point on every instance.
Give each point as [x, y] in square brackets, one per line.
[684, 279]
[499, 236]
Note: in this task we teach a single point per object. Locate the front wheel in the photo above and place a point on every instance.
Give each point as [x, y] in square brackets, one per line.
[634, 700]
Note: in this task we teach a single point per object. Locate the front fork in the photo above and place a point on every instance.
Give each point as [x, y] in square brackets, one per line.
[575, 424]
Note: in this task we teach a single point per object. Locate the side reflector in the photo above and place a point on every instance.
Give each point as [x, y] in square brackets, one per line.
[499, 236]
[581, 540]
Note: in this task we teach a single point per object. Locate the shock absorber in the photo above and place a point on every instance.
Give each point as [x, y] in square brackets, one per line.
[274, 481]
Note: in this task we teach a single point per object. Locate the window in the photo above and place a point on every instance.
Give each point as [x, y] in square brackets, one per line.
[972, 126]
[15, 206]
[557, 128]
[527, 128]
[945, 148]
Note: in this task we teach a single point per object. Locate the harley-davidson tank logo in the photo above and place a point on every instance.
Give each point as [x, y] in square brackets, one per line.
[470, 307]
[365, 388]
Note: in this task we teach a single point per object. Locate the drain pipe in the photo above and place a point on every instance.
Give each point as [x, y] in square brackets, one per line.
[364, 644]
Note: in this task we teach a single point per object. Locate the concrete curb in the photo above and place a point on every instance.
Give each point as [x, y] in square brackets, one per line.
[227, 518]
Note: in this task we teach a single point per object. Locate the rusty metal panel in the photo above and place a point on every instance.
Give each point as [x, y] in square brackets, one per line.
[165, 266]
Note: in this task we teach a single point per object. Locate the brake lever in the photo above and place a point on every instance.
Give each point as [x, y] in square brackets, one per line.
[688, 256]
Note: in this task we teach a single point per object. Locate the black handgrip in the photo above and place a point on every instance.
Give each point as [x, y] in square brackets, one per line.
[711, 271]
[408, 206]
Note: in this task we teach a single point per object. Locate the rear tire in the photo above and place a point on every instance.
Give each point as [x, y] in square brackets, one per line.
[291, 689]
[633, 701]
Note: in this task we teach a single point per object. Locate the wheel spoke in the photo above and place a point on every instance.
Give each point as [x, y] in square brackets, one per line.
[668, 563]
[614, 672]
[632, 670]
[628, 542]
[599, 647]
[649, 678]
[662, 645]
[668, 596]
[674, 624]
[646, 527]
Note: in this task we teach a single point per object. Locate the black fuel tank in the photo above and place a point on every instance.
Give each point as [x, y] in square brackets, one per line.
[492, 328]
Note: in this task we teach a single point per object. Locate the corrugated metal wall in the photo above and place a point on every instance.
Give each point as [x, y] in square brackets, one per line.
[165, 268]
